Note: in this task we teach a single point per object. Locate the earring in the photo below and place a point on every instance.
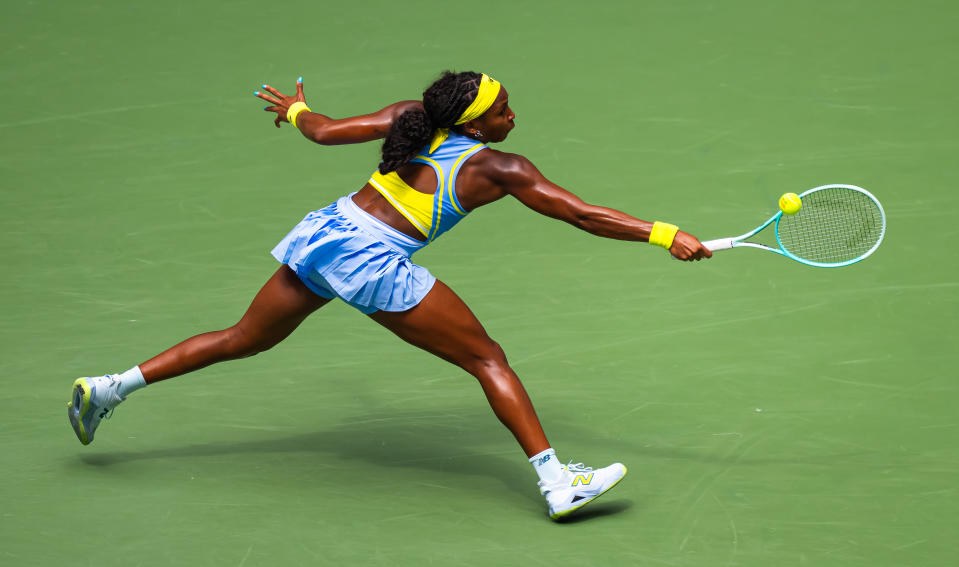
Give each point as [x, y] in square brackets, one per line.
[478, 134]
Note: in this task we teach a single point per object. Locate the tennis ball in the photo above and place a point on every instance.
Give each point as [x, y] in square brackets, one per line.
[790, 203]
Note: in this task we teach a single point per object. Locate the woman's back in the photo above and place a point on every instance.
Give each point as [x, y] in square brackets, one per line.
[425, 191]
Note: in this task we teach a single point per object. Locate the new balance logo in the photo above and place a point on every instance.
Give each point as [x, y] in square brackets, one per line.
[582, 480]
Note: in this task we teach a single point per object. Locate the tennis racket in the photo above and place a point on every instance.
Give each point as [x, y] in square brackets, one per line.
[837, 225]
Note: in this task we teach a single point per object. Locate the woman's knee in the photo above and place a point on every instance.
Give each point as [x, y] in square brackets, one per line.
[486, 358]
[238, 342]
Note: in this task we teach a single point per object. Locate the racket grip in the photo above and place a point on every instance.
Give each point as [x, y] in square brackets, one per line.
[719, 244]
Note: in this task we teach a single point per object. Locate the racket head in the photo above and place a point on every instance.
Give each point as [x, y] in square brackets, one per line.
[837, 225]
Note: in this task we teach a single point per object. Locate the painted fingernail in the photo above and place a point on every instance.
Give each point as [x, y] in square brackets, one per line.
[256, 93]
[265, 107]
[264, 86]
[300, 80]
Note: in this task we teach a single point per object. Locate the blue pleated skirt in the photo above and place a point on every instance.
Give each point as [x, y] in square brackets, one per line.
[343, 251]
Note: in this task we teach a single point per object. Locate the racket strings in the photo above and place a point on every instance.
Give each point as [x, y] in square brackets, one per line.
[835, 225]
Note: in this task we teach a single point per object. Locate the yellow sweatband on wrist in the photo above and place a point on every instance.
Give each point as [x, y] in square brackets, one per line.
[663, 234]
[294, 110]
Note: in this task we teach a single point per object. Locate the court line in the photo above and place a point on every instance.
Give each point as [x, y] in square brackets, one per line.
[908, 545]
[707, 480]
[732, 524]
[55, 117]
[245, 557]
[867, 384]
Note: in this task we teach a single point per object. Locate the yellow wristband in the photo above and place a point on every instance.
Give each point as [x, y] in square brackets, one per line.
[294, 110]
[663, 234]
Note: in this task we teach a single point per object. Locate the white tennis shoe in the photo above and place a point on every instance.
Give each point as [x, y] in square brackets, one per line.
[93, 399]
[578, 487]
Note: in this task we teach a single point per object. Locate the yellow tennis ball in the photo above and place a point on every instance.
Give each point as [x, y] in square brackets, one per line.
[790, 203]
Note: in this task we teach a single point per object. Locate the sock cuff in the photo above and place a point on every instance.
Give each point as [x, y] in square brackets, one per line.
[133, 374]
[131, 381]
[547, 466]
[543, 456]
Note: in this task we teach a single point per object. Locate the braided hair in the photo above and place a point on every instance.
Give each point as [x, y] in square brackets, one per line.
[443, 103]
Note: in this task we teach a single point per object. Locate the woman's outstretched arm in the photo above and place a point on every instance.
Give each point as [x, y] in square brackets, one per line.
[517, 176]
[334, 131]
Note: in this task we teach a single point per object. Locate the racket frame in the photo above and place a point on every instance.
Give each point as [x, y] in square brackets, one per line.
[740, 241]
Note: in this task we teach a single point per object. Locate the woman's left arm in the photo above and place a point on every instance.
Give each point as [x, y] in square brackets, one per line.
[332, 131]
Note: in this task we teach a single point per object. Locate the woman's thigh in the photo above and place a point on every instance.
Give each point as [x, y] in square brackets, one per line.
[279, 307]
[443, 325]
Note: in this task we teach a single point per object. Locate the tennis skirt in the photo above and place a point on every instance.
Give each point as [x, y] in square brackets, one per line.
[342, 251]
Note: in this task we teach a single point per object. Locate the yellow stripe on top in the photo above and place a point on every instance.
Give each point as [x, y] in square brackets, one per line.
[415, 206]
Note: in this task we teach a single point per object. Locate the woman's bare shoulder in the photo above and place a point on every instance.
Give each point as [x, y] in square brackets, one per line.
[498, 164]
[492, 174]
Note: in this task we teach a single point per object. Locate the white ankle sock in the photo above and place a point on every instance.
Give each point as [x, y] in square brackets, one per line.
[130, 381]
[547, 465]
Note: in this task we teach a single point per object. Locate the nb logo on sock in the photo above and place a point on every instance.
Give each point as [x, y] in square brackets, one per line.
[543, 460]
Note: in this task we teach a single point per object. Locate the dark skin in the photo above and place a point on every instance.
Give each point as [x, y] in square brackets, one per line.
[442, 323]
[488, 176]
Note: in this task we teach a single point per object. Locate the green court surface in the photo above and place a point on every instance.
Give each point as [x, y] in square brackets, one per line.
[770, 414]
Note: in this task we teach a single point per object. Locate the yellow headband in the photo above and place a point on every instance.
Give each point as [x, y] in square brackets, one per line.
[488, 91]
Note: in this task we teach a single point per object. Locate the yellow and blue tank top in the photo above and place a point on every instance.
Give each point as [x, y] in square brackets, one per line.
[432, 215]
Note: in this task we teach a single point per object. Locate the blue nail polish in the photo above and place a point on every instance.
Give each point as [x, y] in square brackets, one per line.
[264, 86]
[300, 80]
[265, 107]
[256, 93]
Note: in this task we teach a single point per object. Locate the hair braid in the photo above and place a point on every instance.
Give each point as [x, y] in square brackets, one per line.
[443, 103]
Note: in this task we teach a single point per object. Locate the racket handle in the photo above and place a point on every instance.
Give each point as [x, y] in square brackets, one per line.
[719, 244]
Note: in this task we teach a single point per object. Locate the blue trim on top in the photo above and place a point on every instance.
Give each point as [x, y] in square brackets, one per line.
[452, 179]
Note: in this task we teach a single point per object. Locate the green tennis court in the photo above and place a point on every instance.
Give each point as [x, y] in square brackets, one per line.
[769, 413]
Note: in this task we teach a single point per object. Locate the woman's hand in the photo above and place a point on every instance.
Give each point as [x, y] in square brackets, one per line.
[281, 103]
[687, 247]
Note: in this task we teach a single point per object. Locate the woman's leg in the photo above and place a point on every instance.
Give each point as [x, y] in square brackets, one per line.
[282, 304]
[443, 325]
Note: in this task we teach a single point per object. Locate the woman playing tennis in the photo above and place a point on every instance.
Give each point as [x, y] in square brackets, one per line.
[436, 169]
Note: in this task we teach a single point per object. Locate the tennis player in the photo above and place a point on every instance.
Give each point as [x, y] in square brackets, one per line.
[436, 169]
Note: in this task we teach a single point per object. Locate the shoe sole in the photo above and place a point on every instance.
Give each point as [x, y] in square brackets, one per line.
[565, 513]
[78, 408]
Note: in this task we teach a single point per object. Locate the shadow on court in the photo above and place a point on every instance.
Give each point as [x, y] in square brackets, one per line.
[436, 443]
[599, 509]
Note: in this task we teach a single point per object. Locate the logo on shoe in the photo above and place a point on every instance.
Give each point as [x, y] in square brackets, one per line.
[582, 479]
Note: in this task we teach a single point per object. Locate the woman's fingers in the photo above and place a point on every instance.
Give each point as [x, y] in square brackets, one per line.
[274, 92]
[687, 248]
[267, 98]
[280, 113]
[701, 252]
[688, 255]
[279, 101]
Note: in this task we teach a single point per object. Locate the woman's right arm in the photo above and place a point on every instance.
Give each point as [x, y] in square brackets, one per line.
[517, 176]
[335, 131]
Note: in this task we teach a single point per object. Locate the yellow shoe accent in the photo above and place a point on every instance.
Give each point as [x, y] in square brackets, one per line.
[76, 417]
